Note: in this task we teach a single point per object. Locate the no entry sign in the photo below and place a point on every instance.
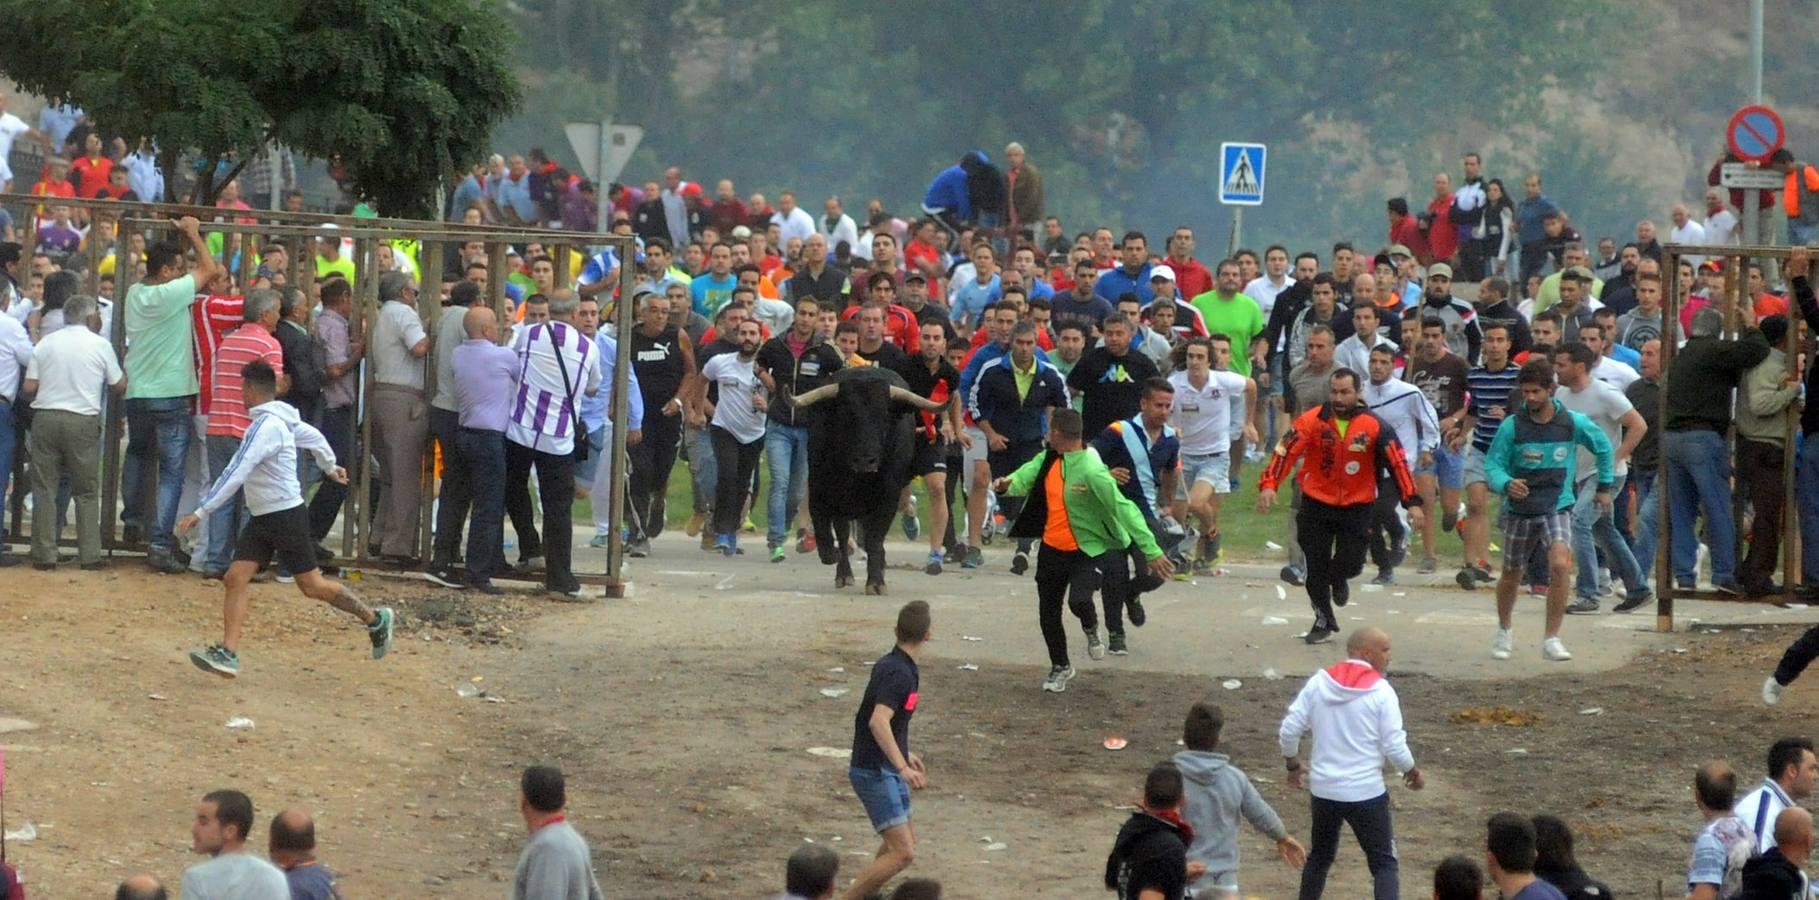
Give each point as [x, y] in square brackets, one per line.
[1755, 133]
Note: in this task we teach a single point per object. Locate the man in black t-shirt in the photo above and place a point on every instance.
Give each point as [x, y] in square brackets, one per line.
[883, 770]
[931, 375]
[1110, 376]
[1149, 857]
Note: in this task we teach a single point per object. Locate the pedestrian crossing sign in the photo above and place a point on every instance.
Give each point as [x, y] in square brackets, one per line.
[1241, 174]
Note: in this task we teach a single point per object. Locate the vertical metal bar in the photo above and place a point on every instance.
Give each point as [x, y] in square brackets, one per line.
[1729, 302]
[1755, 51]
[429, 308]
[1790, 513]
[366, 315]
[621, 411]
[1664, 570]
[114, 428]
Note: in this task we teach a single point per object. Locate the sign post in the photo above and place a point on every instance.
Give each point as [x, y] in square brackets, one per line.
[603, 149]
[1240, 182]
[1754, 134]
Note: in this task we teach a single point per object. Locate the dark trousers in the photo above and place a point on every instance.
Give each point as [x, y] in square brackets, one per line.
[735, 464]
[1763, 463]
[556, 490]
[481, 457]
[1797, 657]
[1333, 537]
[652, 461]
[523, 514]
[1386, 526]
[1534, 256]
[1370, 821]
[956, 471]
[457, 490]
[1069, 575]
[325, 507]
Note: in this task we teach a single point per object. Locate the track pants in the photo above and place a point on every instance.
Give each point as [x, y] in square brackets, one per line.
[1070, 575]
[1334, 538]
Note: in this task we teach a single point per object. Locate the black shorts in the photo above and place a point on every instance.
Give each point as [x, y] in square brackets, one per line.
[1012, 457]
[284, 533]
[929, 457]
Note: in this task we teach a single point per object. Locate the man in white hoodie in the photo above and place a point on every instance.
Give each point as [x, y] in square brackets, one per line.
[1403, 407]
[265, 469]
[1215, 794]
[1356, 723]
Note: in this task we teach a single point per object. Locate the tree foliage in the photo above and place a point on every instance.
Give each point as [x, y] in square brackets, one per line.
[398, 92]
[1123, 103]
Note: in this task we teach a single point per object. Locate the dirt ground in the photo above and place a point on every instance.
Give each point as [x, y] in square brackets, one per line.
[686, 749]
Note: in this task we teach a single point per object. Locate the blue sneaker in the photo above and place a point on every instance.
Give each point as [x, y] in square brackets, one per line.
[934, 563]
[381, 632]
[912, 529]
[216, 659]
[725, 544]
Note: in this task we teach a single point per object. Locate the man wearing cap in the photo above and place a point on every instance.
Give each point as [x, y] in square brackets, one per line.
[1131, 276]
[916, 299]
[1460, 318]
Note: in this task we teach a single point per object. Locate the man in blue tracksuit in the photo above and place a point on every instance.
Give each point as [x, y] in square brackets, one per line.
[1009, 402]
[998, 322]
[1532, 463]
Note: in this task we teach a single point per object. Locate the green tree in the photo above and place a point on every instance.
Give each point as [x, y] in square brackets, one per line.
[397, 93]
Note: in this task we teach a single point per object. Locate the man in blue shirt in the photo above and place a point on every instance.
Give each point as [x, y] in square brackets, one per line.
[1144, 457]
[711, 289]
[594, 474]
[972, 297]
[1530, 231]
[1133, 277]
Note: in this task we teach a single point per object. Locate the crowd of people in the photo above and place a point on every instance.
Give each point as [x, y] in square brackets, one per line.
[1095, 397]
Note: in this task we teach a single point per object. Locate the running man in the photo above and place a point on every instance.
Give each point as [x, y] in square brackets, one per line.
[1086, 527]
[930, 375]
[1144, 457]
[265, 468]
[883, 770]
[1406, 411]
[1345, 446]
[1532, 464]
[1488, 388]
[1202, 414]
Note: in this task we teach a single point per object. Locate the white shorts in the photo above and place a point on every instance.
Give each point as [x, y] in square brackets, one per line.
[973, 454]
[1213, 468]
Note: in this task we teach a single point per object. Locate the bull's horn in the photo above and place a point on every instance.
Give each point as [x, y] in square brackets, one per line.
[905, 395]
[824, 392]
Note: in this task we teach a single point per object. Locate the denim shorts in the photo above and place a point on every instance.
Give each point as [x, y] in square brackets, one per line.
[1474, 466]
[1212, 468]
[885, 794]
[1447, 468]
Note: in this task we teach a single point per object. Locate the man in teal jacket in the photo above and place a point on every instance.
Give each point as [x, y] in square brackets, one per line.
[1532, 463]
[1086, 526]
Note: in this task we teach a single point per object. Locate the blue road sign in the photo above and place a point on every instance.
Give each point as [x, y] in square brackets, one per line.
[1241, 174]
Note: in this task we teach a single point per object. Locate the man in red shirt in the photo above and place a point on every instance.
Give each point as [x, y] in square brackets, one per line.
[1442, 238]
[922, 255]
[1405, 231]
[89, 174]
[1191, 278]
[253, 341]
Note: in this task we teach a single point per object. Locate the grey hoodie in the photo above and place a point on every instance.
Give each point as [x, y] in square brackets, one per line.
[1216, 792]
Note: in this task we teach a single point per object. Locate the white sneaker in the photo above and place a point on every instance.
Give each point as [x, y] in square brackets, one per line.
[1771, 691]
[1554, 651]
[1058, 677]
[1503, 644]
[1095, 648]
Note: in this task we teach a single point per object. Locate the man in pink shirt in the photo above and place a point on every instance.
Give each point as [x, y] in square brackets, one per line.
[253, 341]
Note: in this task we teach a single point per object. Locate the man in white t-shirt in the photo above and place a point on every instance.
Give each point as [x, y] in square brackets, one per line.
[223, 821]
[736, 430]
[1202, 419]
[1275, 279]
[1612, 412]
[66, 372]
[1613, 372]
[11, 127]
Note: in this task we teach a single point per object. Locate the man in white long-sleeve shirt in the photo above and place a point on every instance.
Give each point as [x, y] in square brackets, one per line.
[1404, 408]
[265, 470]
[1356, 723]
[1792, 772]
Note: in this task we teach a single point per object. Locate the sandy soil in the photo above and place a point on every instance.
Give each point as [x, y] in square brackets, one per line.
[686, 746]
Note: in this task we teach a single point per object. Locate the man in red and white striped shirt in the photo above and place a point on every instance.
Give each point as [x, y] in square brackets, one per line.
[215, 313]
[253, 341]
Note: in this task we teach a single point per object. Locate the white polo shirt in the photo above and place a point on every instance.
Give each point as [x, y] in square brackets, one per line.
[71, 367]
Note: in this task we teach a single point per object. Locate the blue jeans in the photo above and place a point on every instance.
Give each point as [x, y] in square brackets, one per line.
[1806, 490]
[786, 452]
[1642, 536]
[481, 454]
[157, 433]
[224, 523]
[1370, 821]
[1698, 472]
[1593, 532]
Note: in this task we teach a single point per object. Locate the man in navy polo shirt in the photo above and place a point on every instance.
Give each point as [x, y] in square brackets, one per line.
[1144, 457]
[1131, 277]
[883, 770]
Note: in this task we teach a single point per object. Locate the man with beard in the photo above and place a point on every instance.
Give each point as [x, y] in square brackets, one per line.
[1532, 464]
[930, 375]
[1345, 446]
[1458, 316]
[1405, 409]
[736, 430]
[1620, 290]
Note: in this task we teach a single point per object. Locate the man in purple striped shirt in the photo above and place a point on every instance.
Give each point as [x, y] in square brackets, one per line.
[486, 381]
[557, 365]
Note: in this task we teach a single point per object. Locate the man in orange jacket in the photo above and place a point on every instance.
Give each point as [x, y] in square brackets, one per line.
[1345, 446]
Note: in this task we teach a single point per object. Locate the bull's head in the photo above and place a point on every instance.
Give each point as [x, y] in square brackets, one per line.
[860, 416]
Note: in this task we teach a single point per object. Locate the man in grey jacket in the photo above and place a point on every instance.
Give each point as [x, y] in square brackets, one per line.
[555, 864]
[1216, 794]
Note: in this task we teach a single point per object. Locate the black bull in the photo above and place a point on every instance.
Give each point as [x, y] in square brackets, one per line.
[861, 440]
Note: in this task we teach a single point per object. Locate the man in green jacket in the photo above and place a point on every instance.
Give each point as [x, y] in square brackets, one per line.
[1086, 526]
